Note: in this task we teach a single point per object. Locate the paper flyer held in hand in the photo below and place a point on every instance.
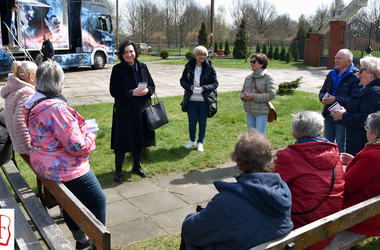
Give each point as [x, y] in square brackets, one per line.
[335, 106]
[197, 90]
[325, 96]
[91, 126]
[142, 85]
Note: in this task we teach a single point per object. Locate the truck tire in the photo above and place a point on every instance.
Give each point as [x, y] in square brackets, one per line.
[99, 61]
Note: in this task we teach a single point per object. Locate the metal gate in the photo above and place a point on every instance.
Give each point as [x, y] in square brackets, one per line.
[362, 38]
[324, 50]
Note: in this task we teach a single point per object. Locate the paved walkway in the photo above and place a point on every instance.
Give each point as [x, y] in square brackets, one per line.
[153, 207]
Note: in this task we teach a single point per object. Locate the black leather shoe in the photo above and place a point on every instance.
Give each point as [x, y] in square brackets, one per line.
[138, 170]
[118, 175]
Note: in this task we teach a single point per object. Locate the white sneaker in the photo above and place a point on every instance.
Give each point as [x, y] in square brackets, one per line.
[190, 144]
[200, 147]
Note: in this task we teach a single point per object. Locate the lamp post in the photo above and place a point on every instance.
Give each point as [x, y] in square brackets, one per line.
[212, 24]
[117, 23]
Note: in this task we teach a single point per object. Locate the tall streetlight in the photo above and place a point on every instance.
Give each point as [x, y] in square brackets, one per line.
[212, 24]
[117, 23]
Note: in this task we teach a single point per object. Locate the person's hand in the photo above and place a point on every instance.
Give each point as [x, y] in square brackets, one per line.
[247, 96]
[329, 100]
[140, 92]
[338, 114]
[192, 88]
[91, 135]
[346, 158]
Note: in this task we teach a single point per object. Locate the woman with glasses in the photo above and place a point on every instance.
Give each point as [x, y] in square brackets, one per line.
[199, 101]
[132, 86]
[365, 102]
[362, 180]
[258, 89]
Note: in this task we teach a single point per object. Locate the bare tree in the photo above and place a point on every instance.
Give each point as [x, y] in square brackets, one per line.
[220, 27]
[321, 16]
[285, 27]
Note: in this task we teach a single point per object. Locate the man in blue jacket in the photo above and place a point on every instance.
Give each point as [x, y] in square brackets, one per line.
[251, 211]
[47, 49]
[340, 85]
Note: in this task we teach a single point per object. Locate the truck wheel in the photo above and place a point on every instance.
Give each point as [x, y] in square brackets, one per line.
[99, 61]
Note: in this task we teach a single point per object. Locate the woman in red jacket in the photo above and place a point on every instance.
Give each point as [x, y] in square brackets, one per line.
[362, 176]
[313, 171]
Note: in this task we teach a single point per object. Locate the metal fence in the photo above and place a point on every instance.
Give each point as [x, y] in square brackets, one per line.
[324, 50]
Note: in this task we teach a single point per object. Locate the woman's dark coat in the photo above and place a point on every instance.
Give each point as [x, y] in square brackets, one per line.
[209, 82]
[365, 102]
[130, 130]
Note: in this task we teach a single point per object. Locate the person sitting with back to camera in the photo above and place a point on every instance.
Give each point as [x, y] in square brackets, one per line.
[20, 86]
[254, 210]
[313, 171]
[362, 181]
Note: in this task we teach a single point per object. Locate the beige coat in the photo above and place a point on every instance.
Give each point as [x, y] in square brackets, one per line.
[15, 93]
[266, 86]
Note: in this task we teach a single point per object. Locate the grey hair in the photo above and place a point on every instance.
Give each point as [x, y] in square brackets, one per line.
[200, 50]
[49, 77]
[373, 123]
[253, 153]
[347, 53]
[307, 124]
[372, 64]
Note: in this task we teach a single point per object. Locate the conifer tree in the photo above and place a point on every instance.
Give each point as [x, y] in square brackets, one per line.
[288, 57]
[296, 55]
[290, 52]
[240, 48]
[221, 44]
[203, 36]
[270, 53]
[282, 54]
[265, 50]
[276, 53]
[227, 48]
[215, 47]
[308, 33]
[258, 49]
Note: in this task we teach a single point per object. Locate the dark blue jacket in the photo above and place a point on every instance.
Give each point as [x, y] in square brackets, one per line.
[252, 211]
[47, 49]
[8, 18]
[209, 82]
[365, 102]
[348, 86]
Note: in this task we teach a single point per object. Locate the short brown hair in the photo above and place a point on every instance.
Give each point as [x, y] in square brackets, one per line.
[261, 58]
[253, 153]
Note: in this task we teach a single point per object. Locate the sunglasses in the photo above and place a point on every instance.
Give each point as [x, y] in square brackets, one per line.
[361, 70]
[254, 61]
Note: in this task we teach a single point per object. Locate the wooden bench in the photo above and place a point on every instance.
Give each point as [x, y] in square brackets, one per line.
[49, 231]
[323, 228]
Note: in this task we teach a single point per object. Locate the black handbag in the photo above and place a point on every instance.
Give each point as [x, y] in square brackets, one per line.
[156, 114]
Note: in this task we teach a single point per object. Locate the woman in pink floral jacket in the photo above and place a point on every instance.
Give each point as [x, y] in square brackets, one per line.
[61, 146]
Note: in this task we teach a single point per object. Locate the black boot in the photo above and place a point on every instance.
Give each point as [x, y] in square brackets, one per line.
[118, 175]
[137, 168]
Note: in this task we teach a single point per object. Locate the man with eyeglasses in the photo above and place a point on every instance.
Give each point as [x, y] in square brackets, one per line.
[340, 85]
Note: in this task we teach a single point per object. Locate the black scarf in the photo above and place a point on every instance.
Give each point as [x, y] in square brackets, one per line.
[52, 95]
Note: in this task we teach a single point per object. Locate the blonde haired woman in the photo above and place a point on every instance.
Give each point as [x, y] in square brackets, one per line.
[20, 85]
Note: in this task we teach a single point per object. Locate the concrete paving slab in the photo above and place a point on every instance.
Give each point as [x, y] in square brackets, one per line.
[157, 203]
[173, 181]
[121, 212]
[208, 173]
[112, 195]
[132, 189]
[172, 221]
[195, 194]
[137, 230]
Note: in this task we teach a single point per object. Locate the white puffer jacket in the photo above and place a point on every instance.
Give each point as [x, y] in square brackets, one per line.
[265, 84]
[15, 94]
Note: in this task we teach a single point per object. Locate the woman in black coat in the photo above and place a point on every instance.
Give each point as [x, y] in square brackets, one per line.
[130, 132]
[365, 102]
[199, 101]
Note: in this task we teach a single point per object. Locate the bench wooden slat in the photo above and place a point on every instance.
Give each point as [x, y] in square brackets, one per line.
[318, 230]
[49, 231]
[345, 240]
[91, 226]
[24, 235]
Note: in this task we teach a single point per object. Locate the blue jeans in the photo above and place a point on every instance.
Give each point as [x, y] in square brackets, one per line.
[197, 113]
[335, 132]
[13, 31]
[88, 190]
[258, 122]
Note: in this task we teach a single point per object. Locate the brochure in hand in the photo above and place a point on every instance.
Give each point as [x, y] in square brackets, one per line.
[92, 126]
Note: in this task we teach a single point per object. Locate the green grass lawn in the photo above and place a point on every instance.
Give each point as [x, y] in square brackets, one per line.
[226, 62]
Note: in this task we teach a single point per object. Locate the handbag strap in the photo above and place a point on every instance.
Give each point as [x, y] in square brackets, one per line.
[155, 98]
[332, 186]
[254, 84]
